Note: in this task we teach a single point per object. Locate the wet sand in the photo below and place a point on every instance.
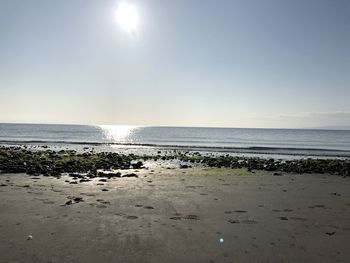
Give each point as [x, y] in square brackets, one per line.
[176, 215]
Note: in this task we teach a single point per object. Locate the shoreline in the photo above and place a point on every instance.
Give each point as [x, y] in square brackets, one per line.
[258, 151]
[48, 162]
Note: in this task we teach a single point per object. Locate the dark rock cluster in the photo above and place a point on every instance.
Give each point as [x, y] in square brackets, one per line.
[51, 163]
[329, 166]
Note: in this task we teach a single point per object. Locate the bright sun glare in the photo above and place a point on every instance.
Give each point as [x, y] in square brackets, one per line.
[127, 17]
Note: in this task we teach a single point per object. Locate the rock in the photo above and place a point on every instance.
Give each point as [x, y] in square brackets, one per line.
[84, 180]
[137, 165]
[29, 237]
[336, 194]
[276, 174]
[69, 202]
[109, 175]
[76, 175]
[78, 199]
[74, 200]
[130, 175]
[330, 233]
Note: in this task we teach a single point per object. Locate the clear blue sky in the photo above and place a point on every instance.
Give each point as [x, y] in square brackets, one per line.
[238, 63]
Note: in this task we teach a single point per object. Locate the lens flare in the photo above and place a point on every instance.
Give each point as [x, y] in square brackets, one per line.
[127, 17]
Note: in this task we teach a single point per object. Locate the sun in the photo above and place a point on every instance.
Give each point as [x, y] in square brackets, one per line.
[127, 17]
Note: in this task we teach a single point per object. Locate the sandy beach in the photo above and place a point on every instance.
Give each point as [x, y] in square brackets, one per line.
[169, 214]
[174, 131]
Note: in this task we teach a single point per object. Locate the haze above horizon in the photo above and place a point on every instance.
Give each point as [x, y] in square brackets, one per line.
[243, 63]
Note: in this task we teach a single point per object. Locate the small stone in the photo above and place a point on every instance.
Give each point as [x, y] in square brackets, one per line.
[130, 175]
[69, 202]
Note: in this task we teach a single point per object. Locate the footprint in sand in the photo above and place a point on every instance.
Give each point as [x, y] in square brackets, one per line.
[175, 218]
[119, 214]
[320, 206]
[240, 211]
[87, 194]
[233, 221]
[228, 212]
[249, 221]
[194, 186]
[298, 218]
[192, 217]
[149, 207]
[132, 217]
[48, 202]
[103, 201]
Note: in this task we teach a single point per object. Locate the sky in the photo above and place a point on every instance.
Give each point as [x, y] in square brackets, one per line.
[237, 63]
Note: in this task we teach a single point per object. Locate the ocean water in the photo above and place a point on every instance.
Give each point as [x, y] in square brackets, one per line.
[230, 140]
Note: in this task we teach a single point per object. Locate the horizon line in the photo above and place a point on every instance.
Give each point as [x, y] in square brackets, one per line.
[330, 128]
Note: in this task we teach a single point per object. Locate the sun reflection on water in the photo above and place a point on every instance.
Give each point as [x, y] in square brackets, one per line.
[118, 133]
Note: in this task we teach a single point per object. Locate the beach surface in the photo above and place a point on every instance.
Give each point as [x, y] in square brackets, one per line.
[169, 214]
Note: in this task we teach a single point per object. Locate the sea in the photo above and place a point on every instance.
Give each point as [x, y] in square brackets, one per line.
[305, 143]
